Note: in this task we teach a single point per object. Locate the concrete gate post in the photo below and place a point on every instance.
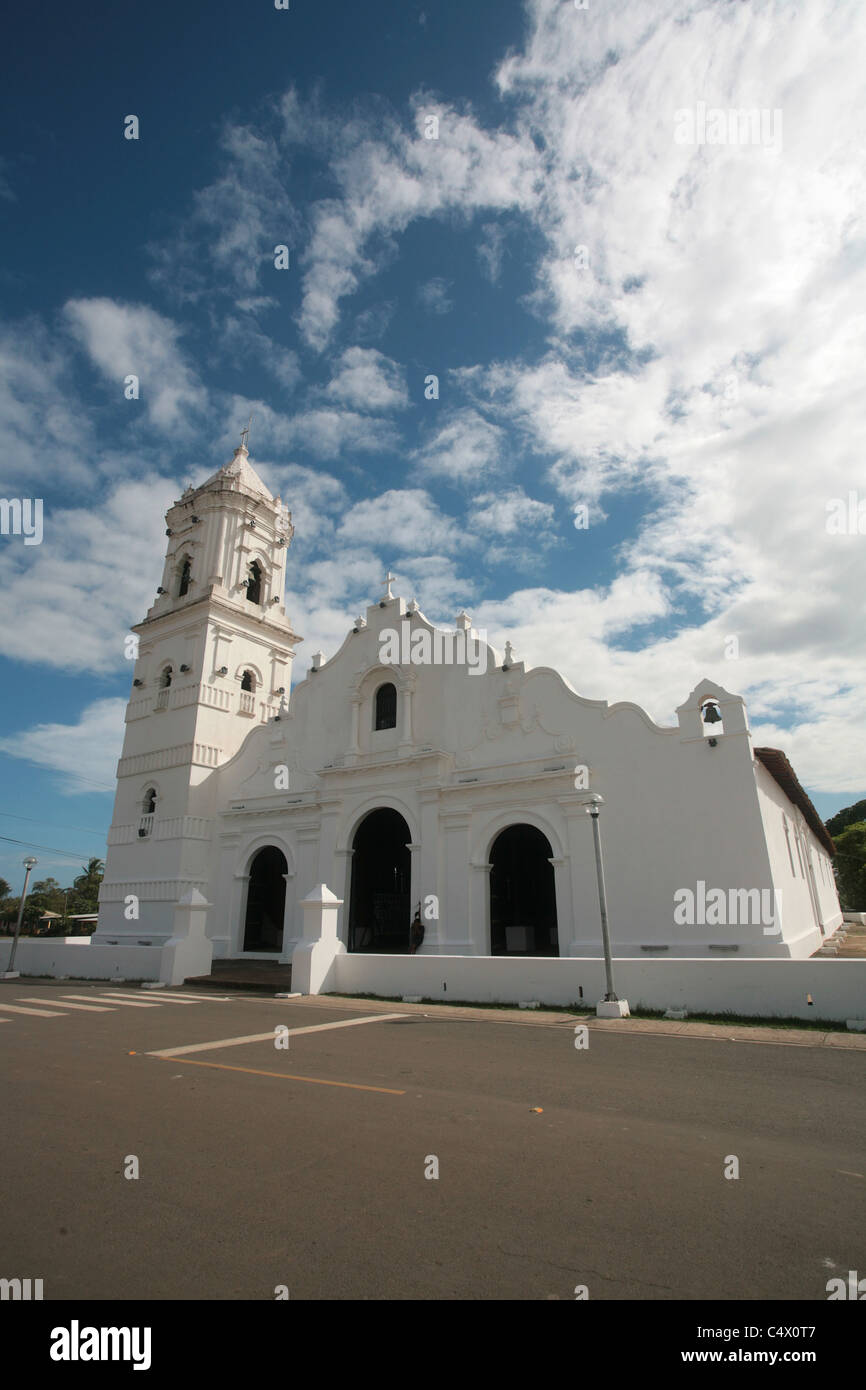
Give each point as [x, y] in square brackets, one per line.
[314, 958]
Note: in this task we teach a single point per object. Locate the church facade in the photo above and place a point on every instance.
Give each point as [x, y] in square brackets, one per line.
[418, 772]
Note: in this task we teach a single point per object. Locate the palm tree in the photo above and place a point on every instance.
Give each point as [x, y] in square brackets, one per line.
[86, 885]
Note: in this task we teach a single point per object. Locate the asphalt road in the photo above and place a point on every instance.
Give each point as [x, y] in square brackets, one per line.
[251, 1178]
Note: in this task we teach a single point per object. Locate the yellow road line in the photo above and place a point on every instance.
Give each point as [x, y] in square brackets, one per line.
[284, 1076]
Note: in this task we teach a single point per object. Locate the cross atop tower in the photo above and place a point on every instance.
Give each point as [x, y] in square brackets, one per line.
[245, 434]
[388, 581]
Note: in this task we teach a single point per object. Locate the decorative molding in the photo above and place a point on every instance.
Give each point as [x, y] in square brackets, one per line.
[151, 890]
[203, 754]
[171, 828]
[139, 709]
[185, 828]
[206, 755]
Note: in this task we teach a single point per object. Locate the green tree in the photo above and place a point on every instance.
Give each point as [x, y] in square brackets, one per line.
[850, 866]
[850, 815]
[85, 887]
[5, 890]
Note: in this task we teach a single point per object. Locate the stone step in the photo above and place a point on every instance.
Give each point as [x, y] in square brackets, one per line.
[267, 977]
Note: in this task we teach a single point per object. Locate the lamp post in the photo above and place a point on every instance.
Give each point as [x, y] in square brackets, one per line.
[610, 1006]
[11, 974]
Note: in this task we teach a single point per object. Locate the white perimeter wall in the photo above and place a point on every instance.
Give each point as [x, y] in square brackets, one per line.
[757, 987]
[80, 959]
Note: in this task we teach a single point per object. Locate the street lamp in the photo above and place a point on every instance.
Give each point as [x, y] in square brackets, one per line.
[11, 974]
[610, 1006]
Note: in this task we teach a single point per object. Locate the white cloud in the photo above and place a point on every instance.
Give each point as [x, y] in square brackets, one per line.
[465, 448]
[389, 177]
[325, 431]
[510, 513]
[314, 498]
[131, 339]
[253, 304]
[433, 295]
[245, 340]
[84, 755]
[370, 325]
[402, 521]
[42, 422]
[69, 602]
[367, 380]
[227, 241]
[490, 250]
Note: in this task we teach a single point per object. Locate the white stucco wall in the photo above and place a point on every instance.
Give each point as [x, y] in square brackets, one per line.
[755, 988]
[81, 959]
[802, 868]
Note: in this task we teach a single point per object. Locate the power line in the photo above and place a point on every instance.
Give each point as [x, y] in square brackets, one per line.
[78, 778]
[49, 849]
[10, 815]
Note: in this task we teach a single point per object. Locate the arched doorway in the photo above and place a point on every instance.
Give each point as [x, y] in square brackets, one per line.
[266, 901]
[522, 894]
[379, 905]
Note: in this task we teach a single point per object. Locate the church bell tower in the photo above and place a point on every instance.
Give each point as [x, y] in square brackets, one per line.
[213, 661]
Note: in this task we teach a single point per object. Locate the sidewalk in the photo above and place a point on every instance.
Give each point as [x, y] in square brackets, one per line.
[552, 1018]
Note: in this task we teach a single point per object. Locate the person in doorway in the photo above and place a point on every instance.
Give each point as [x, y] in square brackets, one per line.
[416, 932]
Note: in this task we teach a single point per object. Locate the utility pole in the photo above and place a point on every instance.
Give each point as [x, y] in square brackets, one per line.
[11, 974]
[610, 1006]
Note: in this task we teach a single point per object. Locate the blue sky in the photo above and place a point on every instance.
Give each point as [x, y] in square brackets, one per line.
[693, 376]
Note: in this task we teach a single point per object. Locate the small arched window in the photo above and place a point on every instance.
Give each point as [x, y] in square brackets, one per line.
[148, 806]
[185, 576]
[254, 583]
[248, 681]
[165, 678]
[386, 707]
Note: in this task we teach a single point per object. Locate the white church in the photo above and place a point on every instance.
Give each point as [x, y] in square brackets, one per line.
[420, 770]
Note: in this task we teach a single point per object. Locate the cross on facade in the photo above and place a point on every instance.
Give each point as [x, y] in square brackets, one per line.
[388, 581]
[245, 434]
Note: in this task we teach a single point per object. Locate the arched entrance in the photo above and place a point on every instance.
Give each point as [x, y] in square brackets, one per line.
[379, 904]
[266, 901]
[522, 894]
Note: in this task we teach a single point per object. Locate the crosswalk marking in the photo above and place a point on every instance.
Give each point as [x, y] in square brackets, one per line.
[121, 1003]
[205, 998]
[37, 1013]
[87, 1008]
[158, 999]
[269, 1037]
